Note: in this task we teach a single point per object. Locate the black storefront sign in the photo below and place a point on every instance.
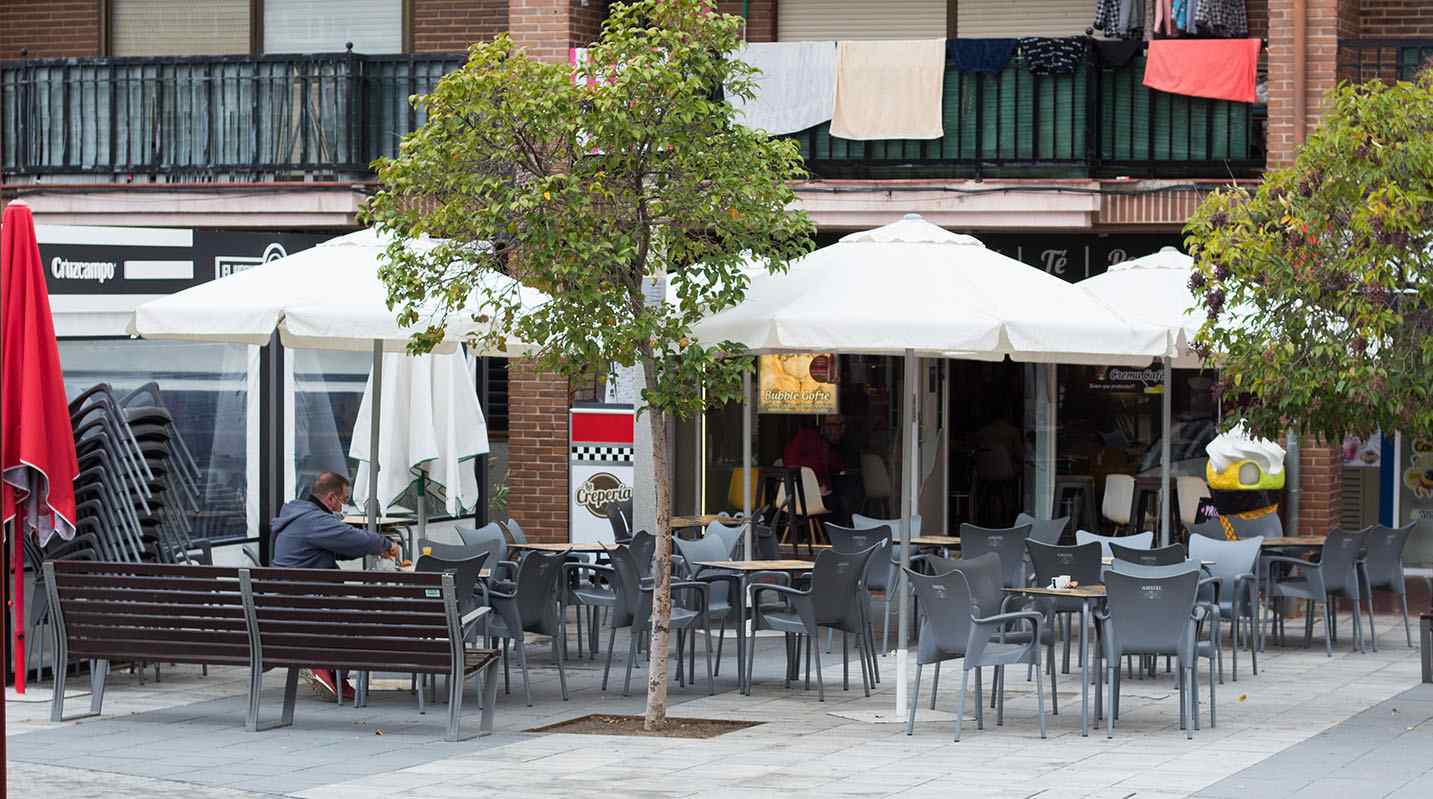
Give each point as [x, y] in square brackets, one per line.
[149, 261]
[1076, 256]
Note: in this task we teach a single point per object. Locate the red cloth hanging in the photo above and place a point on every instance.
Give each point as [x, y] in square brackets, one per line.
[1220, 69]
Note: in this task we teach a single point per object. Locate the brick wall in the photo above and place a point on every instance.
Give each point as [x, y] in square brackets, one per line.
[1320, 486]
[449, 26]
[1396, 19]
[586, 24]
[49, 28]
[542, 27]
[1326, 21]
[1258, 13]
[537, 451]
[761, 19]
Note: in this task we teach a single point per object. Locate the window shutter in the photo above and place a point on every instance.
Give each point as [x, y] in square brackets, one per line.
[806, 20]
[179, 27]
[324, 26]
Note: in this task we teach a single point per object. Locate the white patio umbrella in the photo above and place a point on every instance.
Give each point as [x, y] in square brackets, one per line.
[431, 452]
[912, 288]
[326, 297]
[1155, 289]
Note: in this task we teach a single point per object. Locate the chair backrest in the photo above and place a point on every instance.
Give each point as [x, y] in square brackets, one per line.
[515, 530]
[834, 582]
[466, 573]
[1341, 551]
[1118, 499]
[1143, 540]
[875, 476]
[489, 538]
[730, 535]
[734, 496]
[946, 605]
[1383, 555]
[1227, 559]
[1150, 607]
[851, 540]
[705, 549]
[897, 526]
[1082, 562]
[626, 584]
[1163, 556]
[1209, 528]
[537, 579]
[1046, 531]
[1008, 543]
[1190, 490]
[452, 552]
[763, 540]
[1269, 526]
[644, 548]
[621, 525]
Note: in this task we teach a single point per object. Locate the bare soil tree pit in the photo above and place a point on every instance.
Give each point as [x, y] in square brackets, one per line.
[607, 724]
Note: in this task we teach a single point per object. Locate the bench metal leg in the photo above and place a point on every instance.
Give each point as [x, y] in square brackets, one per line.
[256, 687]
[99, 670]
[1425, 640]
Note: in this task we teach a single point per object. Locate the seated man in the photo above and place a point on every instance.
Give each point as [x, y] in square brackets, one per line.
[309, 533]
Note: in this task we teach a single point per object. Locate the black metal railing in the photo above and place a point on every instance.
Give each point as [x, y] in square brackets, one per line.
[1097, 121]
[1388, 60]
[267, 114]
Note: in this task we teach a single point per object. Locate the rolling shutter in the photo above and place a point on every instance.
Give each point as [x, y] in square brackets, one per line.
[179, 27]
[805, 20]
[324, 26]
[1015, 18]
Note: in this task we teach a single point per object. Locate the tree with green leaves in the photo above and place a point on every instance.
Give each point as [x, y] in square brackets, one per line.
[1319, 285]
[589, 184]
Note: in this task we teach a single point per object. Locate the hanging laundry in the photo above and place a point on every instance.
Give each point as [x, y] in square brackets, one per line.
[1120, 19]
[1222, 17]
[1220, 69]
[1053, 56]
[979, 55]
[1164, 17]
[1117, 52]
[889, 90]
[796, 87]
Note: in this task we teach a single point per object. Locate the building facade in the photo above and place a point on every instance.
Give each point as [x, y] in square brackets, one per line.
[261, 116]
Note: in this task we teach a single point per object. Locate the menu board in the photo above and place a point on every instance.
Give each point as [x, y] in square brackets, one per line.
[798, 383]
[1415, 486]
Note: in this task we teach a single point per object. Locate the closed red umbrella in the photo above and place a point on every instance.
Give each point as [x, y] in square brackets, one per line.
[37, 444]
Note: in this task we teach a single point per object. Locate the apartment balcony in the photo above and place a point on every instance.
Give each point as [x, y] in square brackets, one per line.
[307, 116]
[1361, 60]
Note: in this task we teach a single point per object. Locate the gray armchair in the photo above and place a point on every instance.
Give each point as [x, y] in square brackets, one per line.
[1383, 570]
[1236, 594]
[1324, 582]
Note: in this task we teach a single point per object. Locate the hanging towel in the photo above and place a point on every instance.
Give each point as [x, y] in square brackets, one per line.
[1118, 52]
[796, 89]
[1223, 17]
[889, 89]
[1220, 69]
[1046, 56]
[979, 55]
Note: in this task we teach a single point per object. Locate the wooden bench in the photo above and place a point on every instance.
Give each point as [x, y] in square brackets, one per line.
[265, 618]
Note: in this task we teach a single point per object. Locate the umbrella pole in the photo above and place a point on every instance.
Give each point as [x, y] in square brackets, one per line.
[375, 411]
[908, 506]
[746, 461]
[1167, 404]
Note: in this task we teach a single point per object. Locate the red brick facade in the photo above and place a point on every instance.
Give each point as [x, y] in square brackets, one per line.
[1395, 19]
[760, 21]
[449, 26]
[49, 28]
[537, 451]
[1320, 484]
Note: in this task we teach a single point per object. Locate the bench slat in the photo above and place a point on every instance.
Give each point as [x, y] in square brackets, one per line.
[272, 627]
[270, 574]
[152, 620]
[171, 583]
[163, 597]
[397, 645]
[359, 659]
[227, 611]
[306, 588]
[357, 617]
[349, 604]
[68, 567]
[158, 650]
[92, 632]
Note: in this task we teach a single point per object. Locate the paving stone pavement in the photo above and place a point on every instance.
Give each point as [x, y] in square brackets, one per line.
[184, 736]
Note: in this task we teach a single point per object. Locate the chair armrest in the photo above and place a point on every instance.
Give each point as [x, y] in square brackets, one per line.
[733, 579]
[473, 615]
[780, 589]
[782, 578]
[510, 565]
[1004, 618]
[575, 566]
[495, 593]
[1270, 559]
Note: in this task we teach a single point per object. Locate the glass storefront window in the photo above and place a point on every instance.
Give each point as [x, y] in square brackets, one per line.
[205, 388]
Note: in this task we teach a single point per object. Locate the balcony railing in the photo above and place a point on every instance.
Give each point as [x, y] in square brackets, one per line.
[1094, 122]
[272, 116]
[269, 115]
[1388, 60]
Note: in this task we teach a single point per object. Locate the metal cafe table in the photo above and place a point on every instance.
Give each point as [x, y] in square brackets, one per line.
[1088, 595]
[744, 570]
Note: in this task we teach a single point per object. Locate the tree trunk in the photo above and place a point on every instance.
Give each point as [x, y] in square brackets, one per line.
[656, 715]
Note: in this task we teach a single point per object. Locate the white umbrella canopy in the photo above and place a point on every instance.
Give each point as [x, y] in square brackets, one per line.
[432, 428]
[1154, 289]
[912, 285]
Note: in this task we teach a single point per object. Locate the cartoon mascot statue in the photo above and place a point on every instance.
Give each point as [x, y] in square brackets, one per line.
[1245, 476]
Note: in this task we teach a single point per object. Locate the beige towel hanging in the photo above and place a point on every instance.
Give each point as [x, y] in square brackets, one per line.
[889, 89]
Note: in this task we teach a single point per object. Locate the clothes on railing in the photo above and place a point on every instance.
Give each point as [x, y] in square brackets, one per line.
[1116, 53]
[1120, 19]
[1220, 69]
[889, 89]
[1053, 56]
[980, 55]
[796, 87]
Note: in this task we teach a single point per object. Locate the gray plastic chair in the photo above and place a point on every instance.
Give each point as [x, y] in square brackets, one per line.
[685, 618]
[531, 606]
[1209, 528]
[860, 522]
[961, 619]
[1235, 589]
[1007, 543]
[879, 577]
[722, 584]
[1046, 531]
[1163, 556]
[1383, 570]
[1152, 610]
[514, 530]
[830, 601]
[644, 549]
[1266, 526]
[467, 584]
[489, 538]
[730, 535]
[1143, 540]
[1334, 576]
[1082, 562]
[621, 525]
[888, 579]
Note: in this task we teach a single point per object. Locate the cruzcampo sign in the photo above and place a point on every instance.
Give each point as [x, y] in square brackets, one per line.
[798, 383]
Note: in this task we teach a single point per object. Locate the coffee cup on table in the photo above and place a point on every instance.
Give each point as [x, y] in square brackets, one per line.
[1060, 583]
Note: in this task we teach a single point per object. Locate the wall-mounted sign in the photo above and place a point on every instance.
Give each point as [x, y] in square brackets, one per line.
[1127, 379]
[599, 468]
[798, 383]
[1364, 453]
